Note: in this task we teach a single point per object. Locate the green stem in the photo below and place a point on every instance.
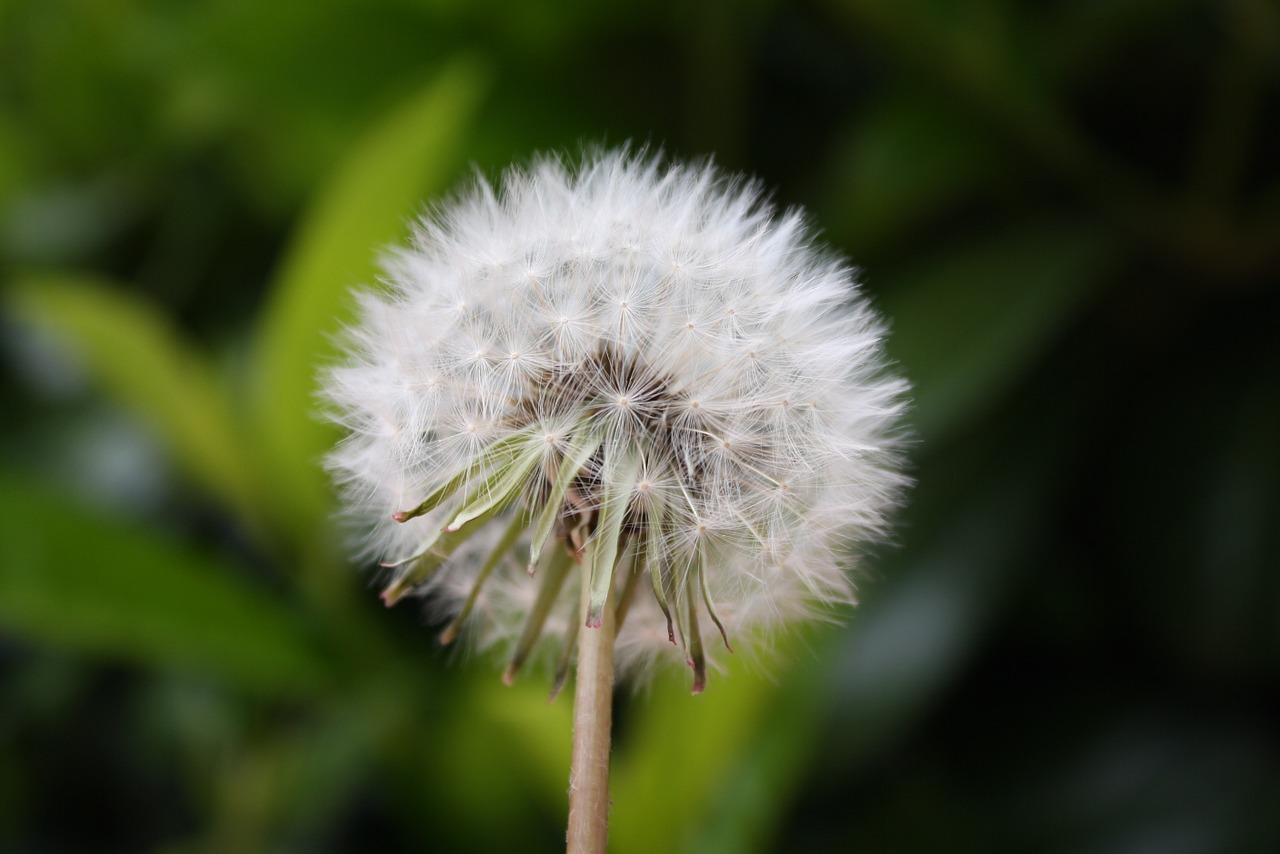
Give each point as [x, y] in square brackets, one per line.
[592, 724]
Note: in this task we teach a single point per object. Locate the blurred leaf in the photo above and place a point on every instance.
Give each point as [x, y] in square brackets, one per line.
[141, 360]
[1081, 39]
[538, 732]
[409, 156]
[913, 638]
[681, 751]
[757, 791]
[972, 39]
[977, 526]
[297, 785]
[907, 159]
[969, 321]
[15, 166]
[489, 749]
[981, 51]
[1199, 555]
[70, 578]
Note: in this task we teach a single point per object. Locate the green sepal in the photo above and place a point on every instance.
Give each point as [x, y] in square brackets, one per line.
[487, 458]
[501, 487]
[423, 549]
[566, 658]
[430, 557]
[697, 658]
[706, 598]
[433, 500]
[653, 557]
[518, 523]
[618, 486]
[552, 580]
[633, 557]
[579, 452]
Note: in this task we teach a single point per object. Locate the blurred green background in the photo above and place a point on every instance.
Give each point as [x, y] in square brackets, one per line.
[1071, 212]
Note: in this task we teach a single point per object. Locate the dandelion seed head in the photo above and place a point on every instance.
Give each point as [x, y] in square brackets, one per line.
[621, 357]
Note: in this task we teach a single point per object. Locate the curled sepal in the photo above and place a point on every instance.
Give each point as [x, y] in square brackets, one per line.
[513, 532]
[399, 587]
[580, 452]
[502, 486]
[653, 558]
[552, 580]
[619, 481]
[487, 458]
[635, 566]
[693, 638]
[437, 549]
[421, 552]
[566, 658]
[410, 577]
[706, 598]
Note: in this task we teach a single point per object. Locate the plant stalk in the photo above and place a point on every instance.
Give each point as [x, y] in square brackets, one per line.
[592, 726]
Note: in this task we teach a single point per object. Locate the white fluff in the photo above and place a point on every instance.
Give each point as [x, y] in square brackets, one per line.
[667, 306]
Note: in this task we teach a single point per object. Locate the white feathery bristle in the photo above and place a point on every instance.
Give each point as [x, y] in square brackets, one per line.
[720, 377]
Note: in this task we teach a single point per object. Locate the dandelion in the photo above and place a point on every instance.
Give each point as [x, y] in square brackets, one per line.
[613, 411]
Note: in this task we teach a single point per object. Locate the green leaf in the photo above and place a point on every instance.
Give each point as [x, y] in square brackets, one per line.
[71, 578]
[140, 359]
[971, 320]
[499, 747]
[409, 156]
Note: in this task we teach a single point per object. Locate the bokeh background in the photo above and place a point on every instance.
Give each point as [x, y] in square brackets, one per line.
[1071, 212]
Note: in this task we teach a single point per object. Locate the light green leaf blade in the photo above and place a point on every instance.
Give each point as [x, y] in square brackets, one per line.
[141, 360]
[409, 156]
[70, 578]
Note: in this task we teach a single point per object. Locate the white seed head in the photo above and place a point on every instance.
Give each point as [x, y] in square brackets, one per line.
[629, 371]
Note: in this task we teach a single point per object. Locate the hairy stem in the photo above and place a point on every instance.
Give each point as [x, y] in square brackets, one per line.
[592, 725]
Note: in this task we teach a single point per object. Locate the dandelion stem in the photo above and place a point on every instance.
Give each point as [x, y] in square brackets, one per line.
[592, 724]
